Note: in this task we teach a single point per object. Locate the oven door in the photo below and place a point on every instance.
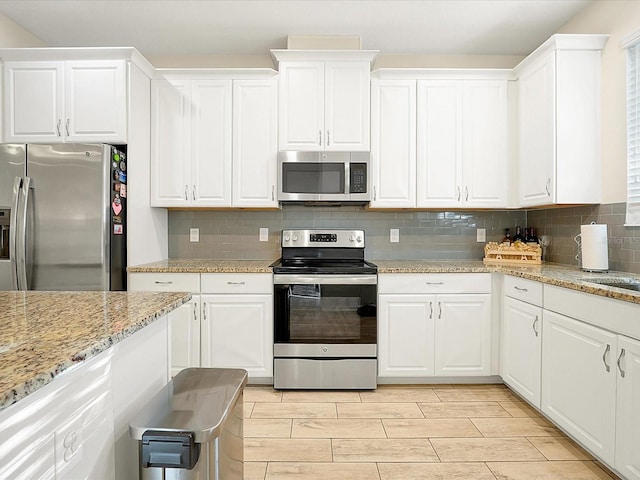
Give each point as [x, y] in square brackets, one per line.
[325, 315]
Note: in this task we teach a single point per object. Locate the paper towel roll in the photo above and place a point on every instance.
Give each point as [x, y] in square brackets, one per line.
[594, 246]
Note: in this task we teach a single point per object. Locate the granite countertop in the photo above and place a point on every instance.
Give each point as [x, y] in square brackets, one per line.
[176, 265]
[45, 333]
[567, 276]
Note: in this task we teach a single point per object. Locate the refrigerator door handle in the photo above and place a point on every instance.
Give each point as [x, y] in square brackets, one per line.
[13, 232]
[21, 244]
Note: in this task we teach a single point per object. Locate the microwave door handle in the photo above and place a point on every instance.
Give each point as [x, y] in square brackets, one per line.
[13, 233]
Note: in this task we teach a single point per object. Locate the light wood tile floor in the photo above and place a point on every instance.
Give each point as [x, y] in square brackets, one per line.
[439, 432]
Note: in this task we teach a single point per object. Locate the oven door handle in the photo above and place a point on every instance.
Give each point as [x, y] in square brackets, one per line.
[297, 279]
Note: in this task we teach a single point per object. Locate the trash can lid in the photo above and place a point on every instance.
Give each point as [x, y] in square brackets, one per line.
[197, 400]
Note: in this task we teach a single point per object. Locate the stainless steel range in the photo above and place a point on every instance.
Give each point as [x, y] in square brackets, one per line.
[325, 319]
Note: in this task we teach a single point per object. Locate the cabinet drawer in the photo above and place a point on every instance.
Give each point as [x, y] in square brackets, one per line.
[434, 283]
[165, 282]
[237, 283]
[528, 291]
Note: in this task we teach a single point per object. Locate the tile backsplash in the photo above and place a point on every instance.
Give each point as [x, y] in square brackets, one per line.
[427, 235]
[563, 224]
[432, 235]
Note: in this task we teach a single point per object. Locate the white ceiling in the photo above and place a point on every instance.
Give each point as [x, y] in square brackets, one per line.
[240, 27]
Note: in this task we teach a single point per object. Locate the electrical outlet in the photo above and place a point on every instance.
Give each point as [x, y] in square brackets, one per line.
[481, 235]
[264, 234]
[394, 235]
[194, 234]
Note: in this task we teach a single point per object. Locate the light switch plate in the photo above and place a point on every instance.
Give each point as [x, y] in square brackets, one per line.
[194, 234]
[394, 235]
[481, 235]
[264, 234]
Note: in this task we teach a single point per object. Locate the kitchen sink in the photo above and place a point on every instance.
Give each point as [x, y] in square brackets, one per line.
[626, 283]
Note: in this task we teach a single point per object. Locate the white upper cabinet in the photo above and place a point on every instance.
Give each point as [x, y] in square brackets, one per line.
[213, 141]
[393, 146]
[65, 101]
[559, 122]
[324, 100]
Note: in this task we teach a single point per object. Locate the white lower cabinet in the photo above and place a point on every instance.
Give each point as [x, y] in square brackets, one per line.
[579, 381]
[237, 333]
[185, 336]
[422, 334]
[627, 457]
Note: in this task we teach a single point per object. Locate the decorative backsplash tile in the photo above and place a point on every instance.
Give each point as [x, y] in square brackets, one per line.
[424, 235]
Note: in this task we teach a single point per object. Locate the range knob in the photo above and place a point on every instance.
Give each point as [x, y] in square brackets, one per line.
[357, 239]
[287, 238]
[294, 238]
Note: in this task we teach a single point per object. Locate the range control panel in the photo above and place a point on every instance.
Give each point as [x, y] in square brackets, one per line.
[323, 238]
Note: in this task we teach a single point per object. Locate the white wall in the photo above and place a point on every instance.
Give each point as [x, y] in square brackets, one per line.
[618, 18]
[13, 35]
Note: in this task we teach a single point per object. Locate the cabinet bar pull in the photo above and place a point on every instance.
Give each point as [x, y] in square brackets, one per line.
[204, 311]
[164, 283]
[186, 192]
[520, 289]
[458, 193]
[430, 310]
[434, 283]
[547, 187]
[619, 362]
[273, 192]
[328, 138]
[604, 357]
[67, 126]
[195, 315]
[374, 193]
[466, 194]
[439, 310]
[320, 137]
[58, 127]
[194, 192]
[235, 283]
[534, 325]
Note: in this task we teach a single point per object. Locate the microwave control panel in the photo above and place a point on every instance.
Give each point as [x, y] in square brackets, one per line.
[358, 178]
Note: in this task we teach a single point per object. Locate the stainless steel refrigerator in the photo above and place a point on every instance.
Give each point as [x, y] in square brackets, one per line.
[63, 217]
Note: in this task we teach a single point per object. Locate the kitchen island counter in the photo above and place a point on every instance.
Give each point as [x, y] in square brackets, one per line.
[567, 276]
[45, 333]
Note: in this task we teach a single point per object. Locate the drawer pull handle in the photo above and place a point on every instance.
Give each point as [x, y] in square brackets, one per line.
[604, 357]
[235, 283]
[535, 330]
[164, 283]
[619, 362]
[434, 283]
[520, 289]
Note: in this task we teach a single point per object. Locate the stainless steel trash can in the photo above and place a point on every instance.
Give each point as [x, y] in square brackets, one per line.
[193, 427]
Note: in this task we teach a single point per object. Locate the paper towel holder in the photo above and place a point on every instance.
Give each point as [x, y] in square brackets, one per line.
[578, 256]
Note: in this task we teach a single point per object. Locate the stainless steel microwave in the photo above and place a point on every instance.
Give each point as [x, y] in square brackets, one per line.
[323, 177]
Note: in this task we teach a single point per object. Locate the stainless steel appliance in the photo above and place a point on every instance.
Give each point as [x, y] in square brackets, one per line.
[325, 319]
[66, 205]
[324, 177]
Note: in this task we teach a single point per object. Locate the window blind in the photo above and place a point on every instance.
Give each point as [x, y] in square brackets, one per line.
[633, 133]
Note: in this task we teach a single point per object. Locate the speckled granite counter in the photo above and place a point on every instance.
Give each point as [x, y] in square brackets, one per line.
[554, 274]
[174, 265]
[45, 333]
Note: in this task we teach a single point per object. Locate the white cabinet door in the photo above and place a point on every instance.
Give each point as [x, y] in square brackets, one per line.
[347, 106]
[301, 111]
[627, 458]
[393, 149]
[522, 348]
[484, 144]
[405, 335]
[439, 152]
[33, 101]
[255, 149]
[184, 327]
[95, 101]
[237, 332]
[170, 143]
[462, 334]
[579, 381]
[537, 147]
[211, 143]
